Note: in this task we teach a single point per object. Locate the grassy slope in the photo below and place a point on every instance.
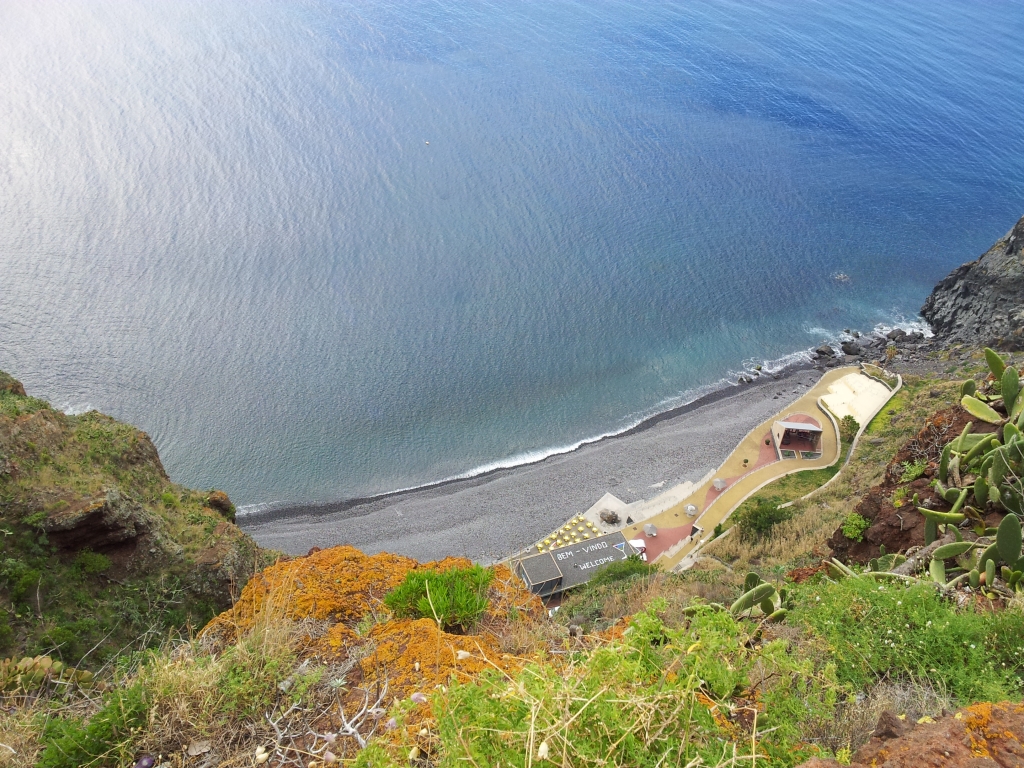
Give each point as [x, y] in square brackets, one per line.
[800, 540]
[70, 601]
[676, 685]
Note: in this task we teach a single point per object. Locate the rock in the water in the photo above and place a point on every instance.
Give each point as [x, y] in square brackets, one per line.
[824, 351]
[850, 348]
[982, 302]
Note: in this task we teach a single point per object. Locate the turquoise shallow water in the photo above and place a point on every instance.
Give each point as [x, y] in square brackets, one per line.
[325, 250]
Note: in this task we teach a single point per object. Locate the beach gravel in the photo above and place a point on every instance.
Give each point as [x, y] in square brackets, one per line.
[492, 516]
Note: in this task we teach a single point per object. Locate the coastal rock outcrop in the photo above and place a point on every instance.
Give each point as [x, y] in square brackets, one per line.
[94, 527]
[981, 303]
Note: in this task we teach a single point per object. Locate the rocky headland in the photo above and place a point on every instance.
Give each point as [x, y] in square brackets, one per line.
[981, 303]
[98, 548]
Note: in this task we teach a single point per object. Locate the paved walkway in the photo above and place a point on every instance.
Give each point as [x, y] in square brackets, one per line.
[753, 464]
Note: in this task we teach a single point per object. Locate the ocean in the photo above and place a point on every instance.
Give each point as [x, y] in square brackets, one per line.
[327, 250]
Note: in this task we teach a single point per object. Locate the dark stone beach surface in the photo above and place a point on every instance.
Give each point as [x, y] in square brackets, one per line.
[494, 515]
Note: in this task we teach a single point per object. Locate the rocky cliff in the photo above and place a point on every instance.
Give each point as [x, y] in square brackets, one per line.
[982, 302]
[97, 546]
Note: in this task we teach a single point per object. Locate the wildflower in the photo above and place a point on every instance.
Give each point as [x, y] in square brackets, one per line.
[391, 724]
[330, 738]
[418, 698]
[542, 751]
[330, 757]
[462, 655]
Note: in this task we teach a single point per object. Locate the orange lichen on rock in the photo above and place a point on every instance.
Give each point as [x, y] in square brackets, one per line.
[338, 584]
[342, 586]
[977, 718]
[980, 735]
[414, 655]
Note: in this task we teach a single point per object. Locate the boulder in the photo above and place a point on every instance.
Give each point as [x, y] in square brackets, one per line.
[824, 351]
[106, 523]
[10, 384]
[219, 501]
[609, 517]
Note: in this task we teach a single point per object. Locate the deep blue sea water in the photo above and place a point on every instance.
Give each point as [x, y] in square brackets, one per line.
[321, 250]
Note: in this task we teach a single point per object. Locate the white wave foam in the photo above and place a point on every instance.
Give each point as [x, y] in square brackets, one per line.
[917, 325]
[668, 404]
[749, 369]
[255, 509]
[70, 409]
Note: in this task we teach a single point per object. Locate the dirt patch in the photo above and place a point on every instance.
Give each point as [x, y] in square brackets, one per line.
[980, 736]
[894, 522]
[800, 575]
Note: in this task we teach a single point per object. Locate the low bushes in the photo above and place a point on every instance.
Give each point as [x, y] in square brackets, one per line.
[875, 631]
[456, 598]
[854, 526]
[105, 739]
[661, 696]
[757, 522]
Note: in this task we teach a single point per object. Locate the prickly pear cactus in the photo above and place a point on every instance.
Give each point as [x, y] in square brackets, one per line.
[31, 674]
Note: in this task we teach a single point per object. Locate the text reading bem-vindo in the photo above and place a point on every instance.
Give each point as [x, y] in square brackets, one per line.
[587, 548]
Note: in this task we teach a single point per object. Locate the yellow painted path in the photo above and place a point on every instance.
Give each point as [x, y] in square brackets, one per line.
[713, 511]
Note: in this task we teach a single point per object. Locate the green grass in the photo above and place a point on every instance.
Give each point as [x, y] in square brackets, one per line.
[456, 598]
[874, 631]
[791, 487]
[65, 603]
[104, 740]
[643, 702]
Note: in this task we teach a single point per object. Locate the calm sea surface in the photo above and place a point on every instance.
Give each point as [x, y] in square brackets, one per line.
[321, 250]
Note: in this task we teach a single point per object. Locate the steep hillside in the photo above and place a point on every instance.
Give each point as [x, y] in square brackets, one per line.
[99, 549]
[339, 658]
[982, 302]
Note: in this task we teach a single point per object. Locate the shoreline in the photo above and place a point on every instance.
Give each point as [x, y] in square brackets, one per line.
[497, 512]
[288, 509]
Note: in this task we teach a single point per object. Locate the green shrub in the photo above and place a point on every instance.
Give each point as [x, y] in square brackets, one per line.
[876, 631]
[91, 563]
[249, 682]
[456, 598]
[848, 428]
[913, 470]
[169, 499]
[854, 526]
[6, 633]
[633, 565]
[641, 702]
[756, 522]
[105, 739]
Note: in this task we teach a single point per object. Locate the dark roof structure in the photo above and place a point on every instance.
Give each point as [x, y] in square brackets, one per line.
[560, 569]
